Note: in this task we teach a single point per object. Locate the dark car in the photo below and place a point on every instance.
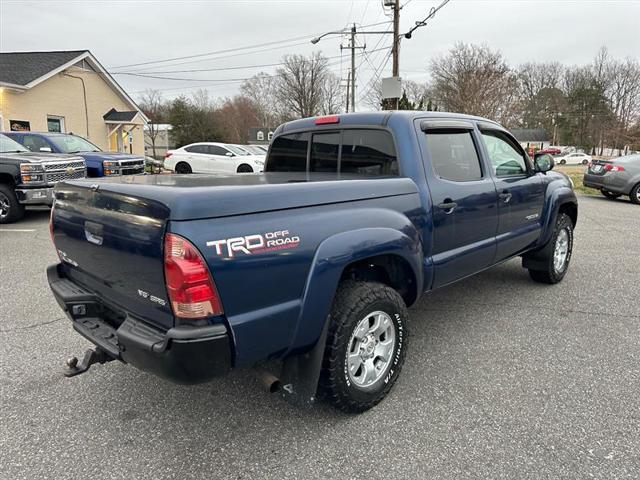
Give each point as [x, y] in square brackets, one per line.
[99, 163]
[310, 266]
[615, 178]
[27, 178]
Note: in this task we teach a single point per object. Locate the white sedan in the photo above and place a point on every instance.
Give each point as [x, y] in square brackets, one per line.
[211, 157]
[573, 159]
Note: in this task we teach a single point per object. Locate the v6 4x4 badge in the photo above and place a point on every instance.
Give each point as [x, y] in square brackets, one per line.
[254, 244]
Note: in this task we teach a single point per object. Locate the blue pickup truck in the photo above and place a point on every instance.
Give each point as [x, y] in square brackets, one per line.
[99, 163]
[309, 268]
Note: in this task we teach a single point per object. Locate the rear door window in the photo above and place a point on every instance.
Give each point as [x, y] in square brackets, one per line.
[368, 152]
[197, 149]
[325, 149]
[288, 153]
[453, 155]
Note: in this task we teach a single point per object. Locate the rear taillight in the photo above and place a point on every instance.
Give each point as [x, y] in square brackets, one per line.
[613, 168]
[167, 155]
[191, 290]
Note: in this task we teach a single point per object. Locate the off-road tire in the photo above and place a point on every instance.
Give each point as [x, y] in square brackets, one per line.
[544, 270]
[609, 194]
[16, 209]
[183, 168]
[244, 168]
[354, 301]
[634, 195]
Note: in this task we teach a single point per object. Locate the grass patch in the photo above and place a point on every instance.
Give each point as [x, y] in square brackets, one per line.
[576, 174]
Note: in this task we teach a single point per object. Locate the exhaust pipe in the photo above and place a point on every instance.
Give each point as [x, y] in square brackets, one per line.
[269, 381]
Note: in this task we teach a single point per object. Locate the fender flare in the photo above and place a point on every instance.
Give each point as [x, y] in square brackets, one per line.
[301, 368]
[554, 200]
[12, 170]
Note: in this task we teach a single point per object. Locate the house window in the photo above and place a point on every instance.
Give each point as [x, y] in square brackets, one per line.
[260, 136]
[19, 126]
[55, 123]
[270, 136]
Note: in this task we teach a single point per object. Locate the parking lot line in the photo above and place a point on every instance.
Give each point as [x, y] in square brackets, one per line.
[19, 230]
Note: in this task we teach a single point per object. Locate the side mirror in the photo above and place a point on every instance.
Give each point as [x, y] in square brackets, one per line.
[543, 162]
[45, 149]
[229, 154]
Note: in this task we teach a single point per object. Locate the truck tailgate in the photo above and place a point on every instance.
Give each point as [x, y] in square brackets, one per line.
[111, 243]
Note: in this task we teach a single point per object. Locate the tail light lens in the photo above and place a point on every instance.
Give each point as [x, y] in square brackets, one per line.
[191, 289]
[167, 155]
[613, 168]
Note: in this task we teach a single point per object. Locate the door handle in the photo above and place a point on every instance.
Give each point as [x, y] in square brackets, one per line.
[505, 196]
[448, 205]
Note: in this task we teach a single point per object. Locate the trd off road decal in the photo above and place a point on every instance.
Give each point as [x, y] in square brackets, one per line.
[254, 244]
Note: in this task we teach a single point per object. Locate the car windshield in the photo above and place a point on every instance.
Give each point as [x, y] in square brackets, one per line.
[8, 145]
[236, 150]
[73, 144]
[254, 150]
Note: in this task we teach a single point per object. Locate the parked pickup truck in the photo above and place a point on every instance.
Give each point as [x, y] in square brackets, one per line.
[27, 178]
[308, 268]
[99, 163]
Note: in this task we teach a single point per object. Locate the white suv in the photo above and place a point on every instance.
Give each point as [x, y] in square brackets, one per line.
[211, 157]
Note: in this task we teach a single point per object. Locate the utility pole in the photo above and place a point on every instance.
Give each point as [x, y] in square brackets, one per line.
[348, 80]
[396, 44]
[353, 48]
[353, 68]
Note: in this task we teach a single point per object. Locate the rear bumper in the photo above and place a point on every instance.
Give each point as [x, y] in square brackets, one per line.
[35, 196]
[607, 182]
[185, 355]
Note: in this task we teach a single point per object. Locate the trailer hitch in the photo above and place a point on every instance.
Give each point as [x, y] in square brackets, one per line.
[91, 356]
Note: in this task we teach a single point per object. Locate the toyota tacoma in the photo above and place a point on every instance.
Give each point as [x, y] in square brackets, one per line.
[309, 268]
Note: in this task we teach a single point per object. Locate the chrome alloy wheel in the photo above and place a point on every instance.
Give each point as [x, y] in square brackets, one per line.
[561, 251]
[5, 206]
[370, 349]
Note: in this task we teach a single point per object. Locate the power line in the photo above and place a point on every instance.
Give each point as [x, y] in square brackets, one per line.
[229, 50]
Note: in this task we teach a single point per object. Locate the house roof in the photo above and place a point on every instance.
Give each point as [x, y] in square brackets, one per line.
[115, 116]
[21, 68]
[24, 70]
[531, 134]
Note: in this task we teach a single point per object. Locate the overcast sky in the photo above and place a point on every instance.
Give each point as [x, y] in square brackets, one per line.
[122, 33]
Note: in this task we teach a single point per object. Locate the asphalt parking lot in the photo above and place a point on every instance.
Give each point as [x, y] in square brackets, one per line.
[505, 378]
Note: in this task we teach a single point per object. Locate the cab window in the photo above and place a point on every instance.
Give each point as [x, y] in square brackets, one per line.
[506, 159]
[35, 143]
[453, 155]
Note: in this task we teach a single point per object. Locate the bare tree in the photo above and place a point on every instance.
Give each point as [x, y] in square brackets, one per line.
[238, 115]
[261, 90]
[155, 108]
[476, 80]
[301, 83]
[332, 101]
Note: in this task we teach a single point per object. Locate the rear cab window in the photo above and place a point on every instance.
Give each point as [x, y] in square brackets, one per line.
[454, 155]
[351, 150]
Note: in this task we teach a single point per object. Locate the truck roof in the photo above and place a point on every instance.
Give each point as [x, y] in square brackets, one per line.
[377, 118]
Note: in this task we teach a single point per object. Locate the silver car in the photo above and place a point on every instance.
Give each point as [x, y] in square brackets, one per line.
[617, 177]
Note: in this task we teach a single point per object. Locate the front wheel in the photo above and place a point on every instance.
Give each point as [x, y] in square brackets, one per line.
[563, 162]
[552, 262]
[10, 209]
[585, 162]
[366, 345]
[244, 168]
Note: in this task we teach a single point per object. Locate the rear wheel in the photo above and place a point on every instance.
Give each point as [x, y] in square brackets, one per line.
[366, 345]
[634, 196]
[10, 209]
[183, 167]
[552, 262]
[563, 161]
[585, 162]
[609, 194]
[244, 168]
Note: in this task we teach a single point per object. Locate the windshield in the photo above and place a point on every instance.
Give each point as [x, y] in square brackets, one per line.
[8, 145]
[253, 149]
[73, 144]
[236, 150]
